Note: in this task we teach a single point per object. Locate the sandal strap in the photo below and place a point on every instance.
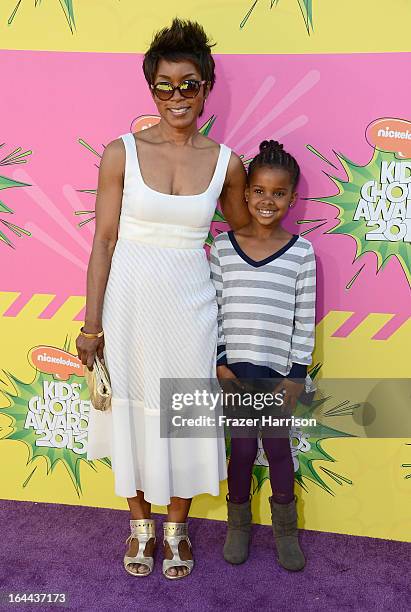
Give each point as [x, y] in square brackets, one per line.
[174, 533]
[169, 563]
[175, 529]
[141, 559]
[142, 530]
[142, 527]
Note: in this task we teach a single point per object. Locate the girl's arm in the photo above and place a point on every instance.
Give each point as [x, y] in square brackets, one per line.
[232, 198]
[302, 343]
[217, 279]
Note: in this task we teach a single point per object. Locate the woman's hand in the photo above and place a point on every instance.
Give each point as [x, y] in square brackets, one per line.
[87, 348]
[291, 390]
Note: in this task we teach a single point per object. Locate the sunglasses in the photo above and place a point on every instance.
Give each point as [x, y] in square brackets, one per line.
[188, 89]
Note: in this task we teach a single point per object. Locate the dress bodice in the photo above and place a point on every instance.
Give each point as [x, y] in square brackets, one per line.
[175, 221]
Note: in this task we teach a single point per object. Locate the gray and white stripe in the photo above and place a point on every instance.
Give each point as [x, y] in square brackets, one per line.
[266, 313]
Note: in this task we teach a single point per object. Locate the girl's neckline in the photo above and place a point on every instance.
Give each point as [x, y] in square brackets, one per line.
[266, 260]
[176, 195]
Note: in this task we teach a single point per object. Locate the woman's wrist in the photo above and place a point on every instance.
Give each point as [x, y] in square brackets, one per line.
[91, 333]
[92, 327]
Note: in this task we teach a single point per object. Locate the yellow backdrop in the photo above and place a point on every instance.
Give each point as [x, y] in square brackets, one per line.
[126, 26]
[116, 26]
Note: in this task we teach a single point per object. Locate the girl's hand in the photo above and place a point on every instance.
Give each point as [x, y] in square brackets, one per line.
[224, 372]
[228, 380]
[87, 348]
[291, 390]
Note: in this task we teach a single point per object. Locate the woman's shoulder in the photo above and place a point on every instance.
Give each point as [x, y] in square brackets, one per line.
[115, 146]
[205, 142]
[149, 135]
[114, 155]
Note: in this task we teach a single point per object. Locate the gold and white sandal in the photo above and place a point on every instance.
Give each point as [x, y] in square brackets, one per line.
[142, 530]
[174, 533]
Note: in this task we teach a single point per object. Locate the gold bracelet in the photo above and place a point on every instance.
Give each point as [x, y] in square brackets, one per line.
[91, 335]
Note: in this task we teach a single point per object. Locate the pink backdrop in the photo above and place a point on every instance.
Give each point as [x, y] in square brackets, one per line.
[326, 101]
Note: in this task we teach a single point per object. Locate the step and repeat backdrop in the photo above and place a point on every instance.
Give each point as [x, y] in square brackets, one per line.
[330, 81]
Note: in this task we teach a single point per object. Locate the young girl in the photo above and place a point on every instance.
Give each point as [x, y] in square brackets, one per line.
[265, 284]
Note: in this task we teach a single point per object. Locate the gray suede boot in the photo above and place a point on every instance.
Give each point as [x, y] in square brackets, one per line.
[284, 519]
[238, 532]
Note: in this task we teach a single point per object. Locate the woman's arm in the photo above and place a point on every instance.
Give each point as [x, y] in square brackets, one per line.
[232, 198]
[108, 206]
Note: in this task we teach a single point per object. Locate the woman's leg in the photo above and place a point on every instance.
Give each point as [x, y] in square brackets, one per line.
[278, 453]
[177, 512]
[139, 509]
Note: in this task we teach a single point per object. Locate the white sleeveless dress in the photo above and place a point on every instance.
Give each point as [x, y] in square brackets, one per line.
[160, 321]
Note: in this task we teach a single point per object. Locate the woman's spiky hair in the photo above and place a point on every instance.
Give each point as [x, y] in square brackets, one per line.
[183, 40]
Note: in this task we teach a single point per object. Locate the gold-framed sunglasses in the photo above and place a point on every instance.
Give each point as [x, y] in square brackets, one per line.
[188, 89]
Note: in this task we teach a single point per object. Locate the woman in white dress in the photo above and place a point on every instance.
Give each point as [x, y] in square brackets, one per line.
[151, 310]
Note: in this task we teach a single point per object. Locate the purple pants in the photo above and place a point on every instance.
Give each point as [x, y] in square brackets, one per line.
[243, 454]
[244, 449]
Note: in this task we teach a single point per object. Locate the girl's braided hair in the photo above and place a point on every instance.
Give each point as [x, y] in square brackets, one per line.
[273, 155]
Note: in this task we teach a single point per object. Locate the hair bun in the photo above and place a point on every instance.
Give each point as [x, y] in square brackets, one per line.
[273, 155]
[271, 145]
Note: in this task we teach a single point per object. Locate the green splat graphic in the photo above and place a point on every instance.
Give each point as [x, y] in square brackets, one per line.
[347, 200]
[307, 467]
[66, 6]
[18, 410]
[13, 158]
[308, 470]
[407, 465]
[306, 9]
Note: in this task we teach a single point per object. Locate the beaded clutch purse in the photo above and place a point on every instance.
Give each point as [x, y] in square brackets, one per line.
[99, 386]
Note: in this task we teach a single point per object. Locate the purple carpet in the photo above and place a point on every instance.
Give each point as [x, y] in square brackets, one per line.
[78, 551]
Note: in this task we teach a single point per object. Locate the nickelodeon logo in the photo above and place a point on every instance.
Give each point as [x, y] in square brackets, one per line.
[390, 135]
[143, 122]
[52, 360]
